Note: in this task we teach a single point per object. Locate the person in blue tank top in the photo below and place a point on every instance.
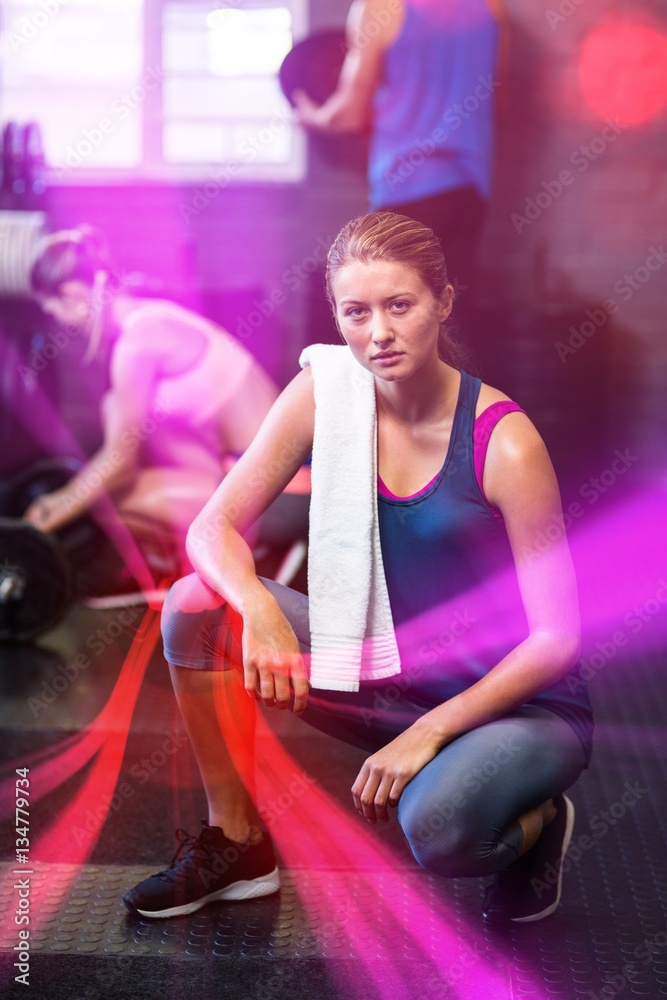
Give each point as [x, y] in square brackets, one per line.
[422, 75]
[476, 739]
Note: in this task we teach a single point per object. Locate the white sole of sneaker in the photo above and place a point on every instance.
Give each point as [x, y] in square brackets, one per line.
[251, 889]
[569, 827]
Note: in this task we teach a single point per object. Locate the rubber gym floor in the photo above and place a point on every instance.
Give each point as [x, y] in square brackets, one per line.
[89, 712]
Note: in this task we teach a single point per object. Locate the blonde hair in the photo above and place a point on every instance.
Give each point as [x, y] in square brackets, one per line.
[392, 237]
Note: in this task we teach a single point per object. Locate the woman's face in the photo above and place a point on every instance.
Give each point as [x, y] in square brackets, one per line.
[389, 316]
[72, 307]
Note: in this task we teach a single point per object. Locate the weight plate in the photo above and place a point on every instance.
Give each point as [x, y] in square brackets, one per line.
[35, 580]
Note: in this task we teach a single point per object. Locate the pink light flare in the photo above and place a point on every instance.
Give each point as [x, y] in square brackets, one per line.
[319, 835]
[74, 833]
[621, 562]
[52, 766]
[314, 834]
[620, 558]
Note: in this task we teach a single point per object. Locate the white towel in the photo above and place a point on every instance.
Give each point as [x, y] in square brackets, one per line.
[352, 631]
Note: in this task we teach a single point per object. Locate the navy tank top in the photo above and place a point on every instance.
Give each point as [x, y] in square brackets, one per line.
[453, 587]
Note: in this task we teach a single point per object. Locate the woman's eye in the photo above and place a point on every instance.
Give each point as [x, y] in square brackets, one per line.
[400, 305]
[354, 312]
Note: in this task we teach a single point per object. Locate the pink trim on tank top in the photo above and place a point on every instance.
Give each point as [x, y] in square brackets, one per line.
[384, 490]
[483, 428]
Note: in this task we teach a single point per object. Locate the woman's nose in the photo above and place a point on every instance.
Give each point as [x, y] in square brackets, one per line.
[381, 329]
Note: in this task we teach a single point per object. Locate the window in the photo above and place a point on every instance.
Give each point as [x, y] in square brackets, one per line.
[167, 89]
[221, 99]
[61, 67]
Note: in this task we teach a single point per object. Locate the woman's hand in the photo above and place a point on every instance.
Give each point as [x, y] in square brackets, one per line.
[50, 511]
[305, 109]
[385, 774]
[272, 660]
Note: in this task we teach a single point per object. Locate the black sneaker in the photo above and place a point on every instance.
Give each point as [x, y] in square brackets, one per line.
[206, 869]
[530, 888]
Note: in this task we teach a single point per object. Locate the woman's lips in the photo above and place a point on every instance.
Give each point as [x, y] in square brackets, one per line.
[387, 358]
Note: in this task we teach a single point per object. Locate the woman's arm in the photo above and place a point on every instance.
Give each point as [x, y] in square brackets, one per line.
[519, 480]
[133, 373]
[222, 558]
[371, 25]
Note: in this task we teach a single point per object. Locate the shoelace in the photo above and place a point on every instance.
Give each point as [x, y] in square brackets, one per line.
[186, 843]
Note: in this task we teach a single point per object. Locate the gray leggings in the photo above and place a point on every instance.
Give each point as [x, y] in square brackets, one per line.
[460, 812]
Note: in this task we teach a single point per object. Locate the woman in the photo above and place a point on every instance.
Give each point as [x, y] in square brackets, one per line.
[480, 734]
[184, 395]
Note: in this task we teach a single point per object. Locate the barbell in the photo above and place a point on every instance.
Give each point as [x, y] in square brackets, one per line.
[41, 574]
[36, 585]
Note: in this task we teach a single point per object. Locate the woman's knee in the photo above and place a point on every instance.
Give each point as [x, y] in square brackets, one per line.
[440, 838]
[190, 609]
[455, 831]
[190, 595]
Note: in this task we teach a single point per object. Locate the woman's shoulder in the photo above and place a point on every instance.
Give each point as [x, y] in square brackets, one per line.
[515, 441]
[142, 315]
[488, 396]
[140, 320]
[181, 330]
[158, 327]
